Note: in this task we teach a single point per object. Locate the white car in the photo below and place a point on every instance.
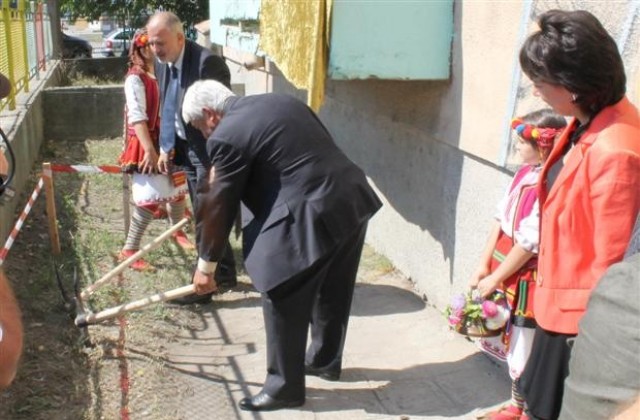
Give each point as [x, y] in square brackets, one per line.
[117, 42]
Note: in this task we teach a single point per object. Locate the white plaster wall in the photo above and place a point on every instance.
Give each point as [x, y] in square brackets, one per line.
[439, 201]
[257, 80]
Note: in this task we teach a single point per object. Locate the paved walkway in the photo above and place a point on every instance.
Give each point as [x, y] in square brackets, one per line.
[401, 361]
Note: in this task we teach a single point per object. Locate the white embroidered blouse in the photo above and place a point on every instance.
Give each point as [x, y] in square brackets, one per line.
[527, 235]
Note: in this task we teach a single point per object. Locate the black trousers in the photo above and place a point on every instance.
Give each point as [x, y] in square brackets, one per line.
[542, 381]
[318, 298]
[193, 160]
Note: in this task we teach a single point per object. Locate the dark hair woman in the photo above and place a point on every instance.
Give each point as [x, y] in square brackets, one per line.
[589, 187]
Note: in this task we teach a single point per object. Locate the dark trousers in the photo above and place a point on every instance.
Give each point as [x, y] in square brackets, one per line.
[193, 160]
[542, 381]
[318, 298]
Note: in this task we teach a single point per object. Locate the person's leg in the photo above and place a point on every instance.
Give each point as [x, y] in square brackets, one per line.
[286, 316]
[225, 274]
[287, 312]
[182, 161]
[542, 381]
[176, 213]
[176, 210]
[330, 316]
[140, 220]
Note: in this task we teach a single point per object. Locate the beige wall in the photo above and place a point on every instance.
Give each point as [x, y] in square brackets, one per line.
[489, 40]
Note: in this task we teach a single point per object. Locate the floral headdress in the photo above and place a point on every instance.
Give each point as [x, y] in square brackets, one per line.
[136, 57]
[141, 40]
[542, 136]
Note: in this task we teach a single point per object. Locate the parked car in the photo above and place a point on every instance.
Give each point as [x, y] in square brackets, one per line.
[117, 42]
[74, 47]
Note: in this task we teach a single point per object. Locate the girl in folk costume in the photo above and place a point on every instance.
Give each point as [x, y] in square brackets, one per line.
[509, 259]
[140, 155]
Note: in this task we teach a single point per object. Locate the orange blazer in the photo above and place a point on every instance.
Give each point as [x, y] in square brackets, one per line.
[587, 217]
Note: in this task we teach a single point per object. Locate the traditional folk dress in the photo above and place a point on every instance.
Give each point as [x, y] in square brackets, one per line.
[142, 104]
[519, 215]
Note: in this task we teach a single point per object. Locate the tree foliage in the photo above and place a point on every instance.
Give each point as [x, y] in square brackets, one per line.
[134, 13]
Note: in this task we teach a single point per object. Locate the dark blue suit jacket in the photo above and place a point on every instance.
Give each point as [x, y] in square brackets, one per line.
[198, 63]
[272, 153]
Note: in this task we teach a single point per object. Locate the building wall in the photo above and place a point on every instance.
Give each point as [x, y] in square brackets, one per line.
[24, 128]
[436, 151]
[83, 112]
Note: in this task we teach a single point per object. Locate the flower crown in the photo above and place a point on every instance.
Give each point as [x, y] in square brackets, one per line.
[542, 136]
[142, 41]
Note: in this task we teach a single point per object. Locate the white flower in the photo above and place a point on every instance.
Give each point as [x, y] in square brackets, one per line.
[499, 320]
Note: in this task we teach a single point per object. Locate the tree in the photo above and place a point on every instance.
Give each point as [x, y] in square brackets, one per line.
[56, 33]
[135, 12]
[189, 11]
[125, 11]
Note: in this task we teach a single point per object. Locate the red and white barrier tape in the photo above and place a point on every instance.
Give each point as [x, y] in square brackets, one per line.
[16, 229]
[86, 169]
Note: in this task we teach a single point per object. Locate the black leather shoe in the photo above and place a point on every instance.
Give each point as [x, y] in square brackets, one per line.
[225, 277]
[191, 299]
[326, 374]
[226, 283]
[263, 402]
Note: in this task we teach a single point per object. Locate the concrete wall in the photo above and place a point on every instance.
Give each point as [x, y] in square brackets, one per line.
[103, 69]
[80, 112]
[436, 151]
[24, 127]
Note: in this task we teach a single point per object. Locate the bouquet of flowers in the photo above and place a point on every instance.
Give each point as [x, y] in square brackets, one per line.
[471, 315]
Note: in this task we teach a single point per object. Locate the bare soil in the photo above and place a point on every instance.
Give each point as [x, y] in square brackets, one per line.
[121, 372]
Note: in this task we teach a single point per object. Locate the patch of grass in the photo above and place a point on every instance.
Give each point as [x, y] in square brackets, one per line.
[71, 76]
[83, 80]
[374, 262]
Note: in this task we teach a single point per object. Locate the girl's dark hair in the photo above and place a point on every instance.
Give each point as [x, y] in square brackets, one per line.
[572, 49]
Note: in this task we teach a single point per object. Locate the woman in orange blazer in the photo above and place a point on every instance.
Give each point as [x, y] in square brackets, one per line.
[589, 188]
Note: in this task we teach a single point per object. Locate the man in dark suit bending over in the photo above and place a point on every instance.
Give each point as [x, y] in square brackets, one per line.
[180, 63]
[311, 206]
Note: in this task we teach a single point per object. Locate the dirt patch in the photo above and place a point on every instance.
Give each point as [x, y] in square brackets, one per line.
[59, 377]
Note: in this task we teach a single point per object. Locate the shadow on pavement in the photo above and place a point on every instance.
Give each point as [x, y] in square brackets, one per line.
[382, 299]
[436, 389]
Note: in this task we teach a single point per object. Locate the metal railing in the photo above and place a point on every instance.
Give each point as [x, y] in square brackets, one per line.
[25, 44]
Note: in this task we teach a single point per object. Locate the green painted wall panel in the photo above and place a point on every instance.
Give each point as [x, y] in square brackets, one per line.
[391, 39]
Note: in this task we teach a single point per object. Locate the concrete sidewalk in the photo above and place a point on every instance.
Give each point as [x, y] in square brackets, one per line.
[401, 361]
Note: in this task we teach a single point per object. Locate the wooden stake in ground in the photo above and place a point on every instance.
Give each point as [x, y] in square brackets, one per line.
[54, 237]
[125, 202]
